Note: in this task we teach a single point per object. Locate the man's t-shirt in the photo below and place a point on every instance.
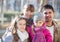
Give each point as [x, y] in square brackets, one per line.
[51, 29]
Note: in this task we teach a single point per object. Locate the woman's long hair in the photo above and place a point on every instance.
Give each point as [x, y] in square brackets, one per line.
[14, 30]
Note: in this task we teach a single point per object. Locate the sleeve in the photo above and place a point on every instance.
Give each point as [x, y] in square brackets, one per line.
[48, 36]
[7, 38]
[29, 30]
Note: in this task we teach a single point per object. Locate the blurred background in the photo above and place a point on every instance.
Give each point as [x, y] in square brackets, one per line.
[10, 8]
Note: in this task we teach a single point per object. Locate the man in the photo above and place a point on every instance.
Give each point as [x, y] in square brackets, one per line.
[51, 25]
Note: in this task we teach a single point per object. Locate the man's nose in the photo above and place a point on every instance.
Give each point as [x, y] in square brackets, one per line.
[47, 15]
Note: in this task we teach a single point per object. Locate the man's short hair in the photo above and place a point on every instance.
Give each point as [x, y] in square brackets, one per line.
[47, 6]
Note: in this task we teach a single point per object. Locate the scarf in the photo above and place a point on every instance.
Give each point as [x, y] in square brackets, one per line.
[22, 35]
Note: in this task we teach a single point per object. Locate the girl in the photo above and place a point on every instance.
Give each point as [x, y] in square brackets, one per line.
[17, 31]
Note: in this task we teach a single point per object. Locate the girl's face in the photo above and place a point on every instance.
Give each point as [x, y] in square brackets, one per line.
[39, 23]
[21, 25]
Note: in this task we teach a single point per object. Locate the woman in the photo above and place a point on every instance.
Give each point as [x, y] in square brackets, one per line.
[17, 31]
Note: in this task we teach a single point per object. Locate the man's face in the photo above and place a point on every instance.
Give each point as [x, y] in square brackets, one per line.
[29, 14]
[48, 14]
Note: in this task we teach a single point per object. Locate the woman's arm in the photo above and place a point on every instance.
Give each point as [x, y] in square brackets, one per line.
[8, 38]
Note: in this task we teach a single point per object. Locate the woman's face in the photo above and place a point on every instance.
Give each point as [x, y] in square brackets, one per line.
[21, 25]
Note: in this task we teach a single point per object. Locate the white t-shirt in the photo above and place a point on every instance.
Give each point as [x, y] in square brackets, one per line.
[51, 29]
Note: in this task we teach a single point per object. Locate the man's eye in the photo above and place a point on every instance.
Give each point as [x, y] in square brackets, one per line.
[45, 13]
[50, 12]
